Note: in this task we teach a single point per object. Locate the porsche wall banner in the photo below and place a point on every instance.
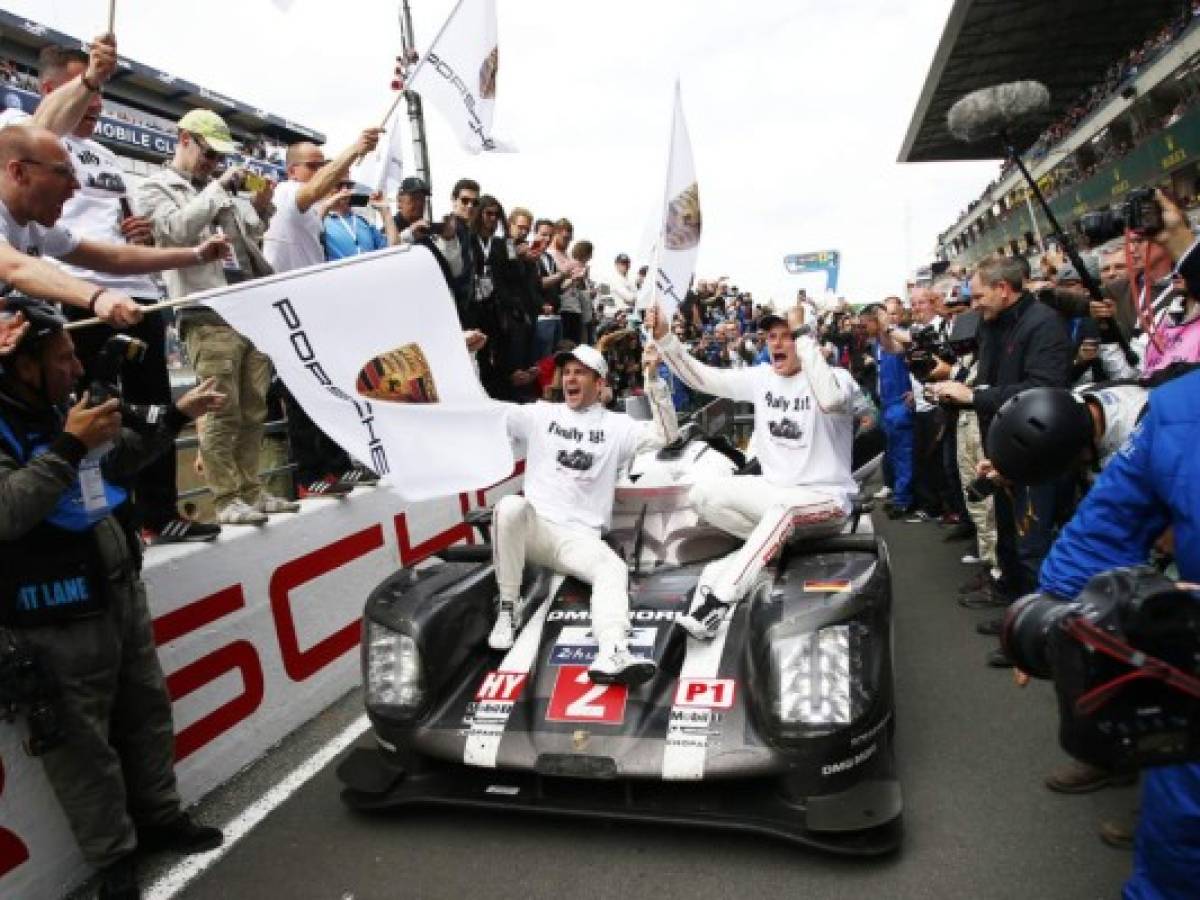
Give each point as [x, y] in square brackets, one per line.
[372, 349]
[678, 240]
[458, 74]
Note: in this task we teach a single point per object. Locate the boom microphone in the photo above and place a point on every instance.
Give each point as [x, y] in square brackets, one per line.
[995, 110]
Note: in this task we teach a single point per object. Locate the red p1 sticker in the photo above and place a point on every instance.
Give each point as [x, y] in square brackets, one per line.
[705, 693]
[576, 699]
[501, 686]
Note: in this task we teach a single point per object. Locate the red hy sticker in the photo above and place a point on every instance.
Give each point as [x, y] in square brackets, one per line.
[705, 693]
[577, 699]
[501, 686]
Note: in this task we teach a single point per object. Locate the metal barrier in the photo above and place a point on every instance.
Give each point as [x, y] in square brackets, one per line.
[278, 427]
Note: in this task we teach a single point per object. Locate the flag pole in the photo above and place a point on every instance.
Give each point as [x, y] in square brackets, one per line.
[112, 16]
[416, 116]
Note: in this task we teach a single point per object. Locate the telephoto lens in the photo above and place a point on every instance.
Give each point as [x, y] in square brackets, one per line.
[1025, 635]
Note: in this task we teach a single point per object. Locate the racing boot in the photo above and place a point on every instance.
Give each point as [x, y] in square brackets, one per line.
[614, 664]
[508, 623]
[704, 620]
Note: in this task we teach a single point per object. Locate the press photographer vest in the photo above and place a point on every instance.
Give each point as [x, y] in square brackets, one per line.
[54, 572]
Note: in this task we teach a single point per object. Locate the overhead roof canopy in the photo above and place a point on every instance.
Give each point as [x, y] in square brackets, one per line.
[1067, 45]
[154, 88]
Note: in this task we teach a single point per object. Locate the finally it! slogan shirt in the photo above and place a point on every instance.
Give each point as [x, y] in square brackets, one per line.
[797, 443]
[573, 458]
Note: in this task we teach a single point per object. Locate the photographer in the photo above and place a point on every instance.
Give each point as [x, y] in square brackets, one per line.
[1149, 486]
[70, 106]
[71, 595]
[1022, 344]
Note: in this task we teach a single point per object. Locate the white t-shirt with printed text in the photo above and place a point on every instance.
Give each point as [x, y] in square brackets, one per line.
[794, 440]
[573, 459]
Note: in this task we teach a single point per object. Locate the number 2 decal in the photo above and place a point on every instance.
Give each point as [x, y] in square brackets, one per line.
[586, 706]
[577, 699]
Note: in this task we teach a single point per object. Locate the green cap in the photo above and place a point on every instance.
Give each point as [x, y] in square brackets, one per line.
[206, 124]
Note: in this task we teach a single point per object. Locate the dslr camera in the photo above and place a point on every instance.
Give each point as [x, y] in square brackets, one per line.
[925, 352]
[106, 370]
[1125, 661]
[1139, 212]
[27, 685]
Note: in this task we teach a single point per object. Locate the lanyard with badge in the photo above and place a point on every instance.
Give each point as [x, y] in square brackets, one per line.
[351, 230]
[484, 286]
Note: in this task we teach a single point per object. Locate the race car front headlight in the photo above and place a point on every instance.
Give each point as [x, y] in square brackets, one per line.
[394, 677]
[818, 677]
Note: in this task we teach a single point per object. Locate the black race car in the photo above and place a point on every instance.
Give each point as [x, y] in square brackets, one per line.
[782, 725]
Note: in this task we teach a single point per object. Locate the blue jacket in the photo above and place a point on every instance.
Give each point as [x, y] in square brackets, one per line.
[1152, 482]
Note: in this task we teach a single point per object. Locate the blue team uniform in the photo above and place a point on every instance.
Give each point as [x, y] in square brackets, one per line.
[1151, 483]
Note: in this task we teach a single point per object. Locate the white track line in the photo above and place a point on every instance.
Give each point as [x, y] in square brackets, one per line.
[180, 876]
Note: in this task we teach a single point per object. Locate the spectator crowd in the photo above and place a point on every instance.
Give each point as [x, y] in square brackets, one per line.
[936, 369]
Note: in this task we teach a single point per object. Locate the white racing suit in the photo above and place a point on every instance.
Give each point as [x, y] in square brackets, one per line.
[571, 467]
[803, 438]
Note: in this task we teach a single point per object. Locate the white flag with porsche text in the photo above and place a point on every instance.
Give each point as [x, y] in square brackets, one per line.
[383, 168]
[458, 74]
[372, 349]
[673, 259]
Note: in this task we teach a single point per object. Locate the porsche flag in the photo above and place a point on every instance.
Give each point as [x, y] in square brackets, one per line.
[383, 167]
[674, 257]
[372, 349]
[458, 74]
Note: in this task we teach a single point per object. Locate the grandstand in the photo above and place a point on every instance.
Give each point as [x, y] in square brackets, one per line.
[141, 105]
[1124, 110]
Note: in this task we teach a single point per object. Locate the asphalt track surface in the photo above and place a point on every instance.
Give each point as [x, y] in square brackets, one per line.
[972, 750]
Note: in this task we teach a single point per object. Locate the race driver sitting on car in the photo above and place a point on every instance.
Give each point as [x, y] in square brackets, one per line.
[574, 451]
[803, 438]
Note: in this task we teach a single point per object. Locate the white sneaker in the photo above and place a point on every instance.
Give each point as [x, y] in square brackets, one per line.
[614, 664]
[239, 512]
[705, 620]
[270, 504]
[508, 623]
[883, 493]
[970, 559]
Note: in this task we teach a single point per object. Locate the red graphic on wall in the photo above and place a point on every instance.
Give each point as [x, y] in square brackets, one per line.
[13, 852]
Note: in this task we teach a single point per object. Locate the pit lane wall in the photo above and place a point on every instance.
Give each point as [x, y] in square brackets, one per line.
[257, 633]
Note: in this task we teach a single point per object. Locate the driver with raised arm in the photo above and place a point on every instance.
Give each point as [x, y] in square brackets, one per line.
[803, 437]
[575, 450]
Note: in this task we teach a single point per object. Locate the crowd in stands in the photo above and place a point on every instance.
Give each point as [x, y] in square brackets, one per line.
[260, 148]
[1069, 172]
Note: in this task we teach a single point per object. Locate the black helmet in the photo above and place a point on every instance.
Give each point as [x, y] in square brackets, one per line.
[1038, 434]
[44, 319]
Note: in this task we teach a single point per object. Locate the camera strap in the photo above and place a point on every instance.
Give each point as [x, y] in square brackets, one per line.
[1143, 665]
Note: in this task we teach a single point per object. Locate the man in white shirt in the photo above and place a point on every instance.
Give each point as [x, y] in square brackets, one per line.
[803, 438]
[293, 239]
[36, 181]
[622, 286]
[575, 450]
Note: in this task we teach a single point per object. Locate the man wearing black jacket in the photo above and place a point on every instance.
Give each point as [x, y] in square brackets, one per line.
[1022, 344]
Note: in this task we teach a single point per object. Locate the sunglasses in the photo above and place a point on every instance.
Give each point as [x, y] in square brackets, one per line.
[313, 164]
[62, 170]
[469, 201]
[208, 152]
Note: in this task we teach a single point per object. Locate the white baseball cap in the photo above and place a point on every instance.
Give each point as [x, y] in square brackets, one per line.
[589, 356]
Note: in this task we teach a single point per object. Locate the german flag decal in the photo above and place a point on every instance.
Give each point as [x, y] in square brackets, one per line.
[832, 586]
[399, 376]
